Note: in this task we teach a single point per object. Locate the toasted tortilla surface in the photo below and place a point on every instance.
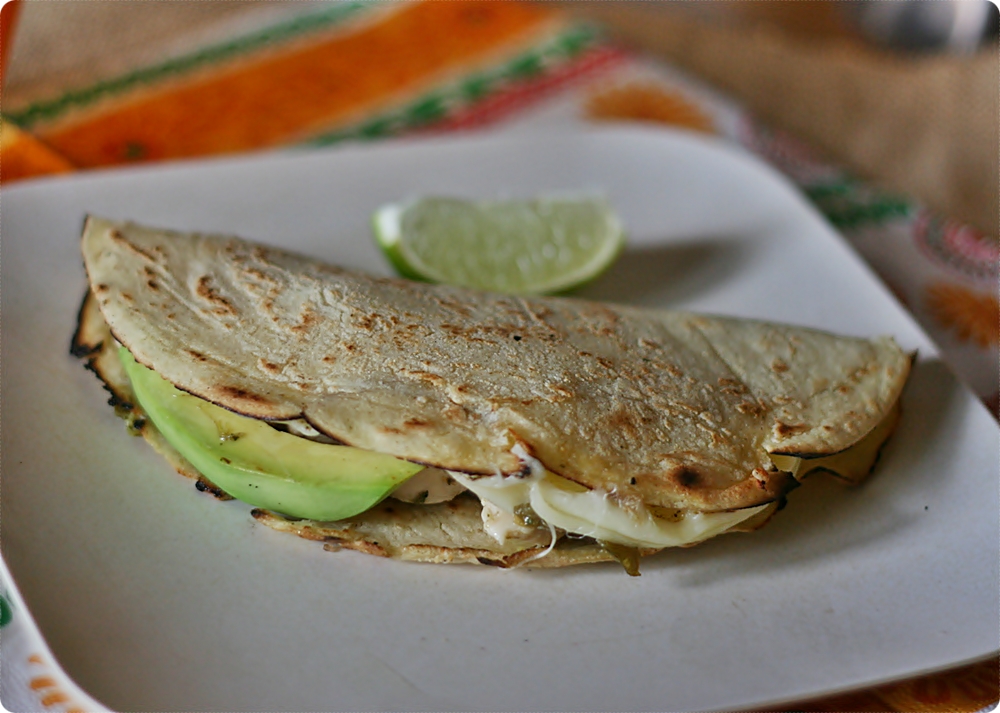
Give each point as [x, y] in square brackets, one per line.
[669, 409]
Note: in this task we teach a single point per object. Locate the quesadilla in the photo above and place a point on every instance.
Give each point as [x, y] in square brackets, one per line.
[434, 423]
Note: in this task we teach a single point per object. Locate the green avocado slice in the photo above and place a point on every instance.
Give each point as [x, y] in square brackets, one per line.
[260, 465]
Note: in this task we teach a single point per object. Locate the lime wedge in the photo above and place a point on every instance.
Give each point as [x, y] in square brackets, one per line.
[539, 246]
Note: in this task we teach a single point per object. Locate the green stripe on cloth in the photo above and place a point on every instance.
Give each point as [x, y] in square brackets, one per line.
[51, 109]
[442, 102]
[849, 204]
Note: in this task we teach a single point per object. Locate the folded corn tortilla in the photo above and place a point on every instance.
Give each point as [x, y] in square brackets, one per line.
[658, 411]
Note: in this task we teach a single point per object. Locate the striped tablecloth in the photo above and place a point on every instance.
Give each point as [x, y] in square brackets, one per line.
[316, 74]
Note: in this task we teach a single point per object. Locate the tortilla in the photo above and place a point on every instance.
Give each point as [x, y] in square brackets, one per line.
[669, 410]
[677, 410]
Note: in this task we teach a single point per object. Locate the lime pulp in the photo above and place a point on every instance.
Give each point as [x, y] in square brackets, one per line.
[537, 246]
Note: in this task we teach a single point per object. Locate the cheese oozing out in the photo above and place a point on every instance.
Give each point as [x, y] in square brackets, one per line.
[569, 506]
[429, 486]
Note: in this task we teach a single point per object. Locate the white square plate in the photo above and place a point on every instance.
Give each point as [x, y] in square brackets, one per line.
[154, 597]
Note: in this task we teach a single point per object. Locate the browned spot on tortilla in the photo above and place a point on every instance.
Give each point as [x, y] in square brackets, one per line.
[308, 319]
[259, 275]
[152, 284]
[101, 288]
[623, 421]
[607, 318]
[235, 392]
[732, 387]
[117, 237]
[452, 304]
[196, 354]
[786, 430]
[425, 376]
[779, 366]
[843, 389]
[860, 373]
[329, 359]
[269, 366]
[539, 312]
[561, 391]
[127, 297]
[674, 371]
[606, 363]
[750, 408]
[204, 289]
[416, 423]
[476, 332]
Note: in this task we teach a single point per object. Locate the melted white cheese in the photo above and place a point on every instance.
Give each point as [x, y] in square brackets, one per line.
[303, 429]
[501, 524]
[569, 506]
[429, 486]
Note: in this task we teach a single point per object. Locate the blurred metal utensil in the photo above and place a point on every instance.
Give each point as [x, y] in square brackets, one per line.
[949, 25]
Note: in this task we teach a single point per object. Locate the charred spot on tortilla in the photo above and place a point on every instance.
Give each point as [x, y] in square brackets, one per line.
[784, 430]
[204, 485]
[87, 337]
[685, 477]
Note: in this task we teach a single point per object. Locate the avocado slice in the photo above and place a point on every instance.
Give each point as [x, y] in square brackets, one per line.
[263, 466]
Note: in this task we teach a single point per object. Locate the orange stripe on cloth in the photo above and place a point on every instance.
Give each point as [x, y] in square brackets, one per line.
[963, 690]
[291, 95]
[54, 698]
[23, 156]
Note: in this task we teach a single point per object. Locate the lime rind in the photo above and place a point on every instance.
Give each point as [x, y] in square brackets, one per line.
[540, 246]
[385, 227]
